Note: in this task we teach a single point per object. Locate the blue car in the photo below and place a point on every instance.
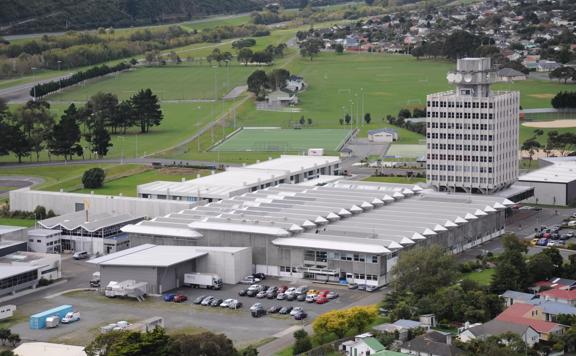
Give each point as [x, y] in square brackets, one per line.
[169, 297]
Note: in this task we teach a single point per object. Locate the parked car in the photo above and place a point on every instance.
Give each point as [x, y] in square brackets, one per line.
[361, 287]
[199, 299]
[301, 297]
[252, 293]
[256, 306]
[282, 289]
[371, 288]
[301, 316]
[261, 294]
[290, 291]
[180, 298]
[259, 275]
[324, 292]
[569, 235]
[352, 286]
[235, 304]
[286, 310]
[81, 255]
[312, 291]
[242, 292]
[332, 295]
[274, 309]
[296, 310]
[258, 313]
[250, 280]
[322, 299]
[206, 301]
[281, 296]
[226, 303]
[216, 302]
[291, 297]
[556, 243]
[542, 242]
[310, 298]
[301, 290]
[169, 297]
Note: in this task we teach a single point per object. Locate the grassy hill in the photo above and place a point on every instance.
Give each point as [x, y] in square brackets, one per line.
[21, 16]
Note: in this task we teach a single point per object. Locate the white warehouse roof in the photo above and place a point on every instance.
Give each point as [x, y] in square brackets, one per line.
[558, 172]
[297, 164]
[148, 255]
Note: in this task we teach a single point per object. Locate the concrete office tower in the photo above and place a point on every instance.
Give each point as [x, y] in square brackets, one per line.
[472, 132]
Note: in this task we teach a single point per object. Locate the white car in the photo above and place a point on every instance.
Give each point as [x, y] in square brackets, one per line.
[296, 311]
[226, 303]
[250, 280]
[290, 291]
[70, 317]
[254, 287]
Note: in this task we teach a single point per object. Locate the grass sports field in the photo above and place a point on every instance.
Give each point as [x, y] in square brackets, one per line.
[284, 140]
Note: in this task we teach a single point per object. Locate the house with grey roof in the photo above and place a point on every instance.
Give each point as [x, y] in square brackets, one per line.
[386, 134]
[498, 327]
[433, 343]
[510, 75]
[512, 297]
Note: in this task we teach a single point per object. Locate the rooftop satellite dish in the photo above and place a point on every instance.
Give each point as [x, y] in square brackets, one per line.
[450, 77]
[468, 78]
[458, 78]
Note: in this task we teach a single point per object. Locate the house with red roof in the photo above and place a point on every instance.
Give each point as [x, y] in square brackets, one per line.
[533, 316]
[560, 290]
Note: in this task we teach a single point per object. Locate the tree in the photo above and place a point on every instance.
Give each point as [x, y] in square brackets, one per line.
[40, 212]
[206, 343]
[563, 73]
[540, 267]
[309, 121]
[302, 120]
[277, 79]
[341, 121]
[131, 343]
[461, 44]
[93, 178]
[102, 107]
[507, 344]
[65, 136]
[146, 109]
[347, 118]
[531, 146]
[18, 142]
[404, 114]
[511, 271]
[14, 339]
[36, 122]
[422, 269]
[256, 82]
[367, 118]
[341, 321]
[262, 57]
[247, 351]
[245, 56]
[302, 343]
[311, 47]
[339, 48]
[4, 335]
[100, 140]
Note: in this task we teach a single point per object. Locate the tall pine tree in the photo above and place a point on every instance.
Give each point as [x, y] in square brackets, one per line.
[146, 109]
[65, 137]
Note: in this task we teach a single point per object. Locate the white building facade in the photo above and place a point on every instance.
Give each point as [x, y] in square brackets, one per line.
[472, 132]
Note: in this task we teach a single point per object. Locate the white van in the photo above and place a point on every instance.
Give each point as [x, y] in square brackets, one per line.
[81, 255]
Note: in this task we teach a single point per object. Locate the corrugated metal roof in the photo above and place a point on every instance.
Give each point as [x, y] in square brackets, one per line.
[148, 255]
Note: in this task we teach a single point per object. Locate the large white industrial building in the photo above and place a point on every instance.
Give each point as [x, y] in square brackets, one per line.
[554, 184]
[239, 180]
[341, 232]
[472, 132]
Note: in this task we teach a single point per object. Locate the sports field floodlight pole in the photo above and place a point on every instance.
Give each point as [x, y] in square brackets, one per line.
[362, 118]
[351, 110]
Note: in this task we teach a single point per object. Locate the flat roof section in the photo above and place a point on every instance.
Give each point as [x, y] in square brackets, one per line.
[296, 164]
[149, 255]
[96, 222]
[6, 229]
[7, 271]
[558, 172]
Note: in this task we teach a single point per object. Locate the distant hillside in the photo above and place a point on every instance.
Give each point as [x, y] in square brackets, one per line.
[28, 16]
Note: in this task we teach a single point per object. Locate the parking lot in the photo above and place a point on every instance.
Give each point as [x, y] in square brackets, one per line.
[97, 310]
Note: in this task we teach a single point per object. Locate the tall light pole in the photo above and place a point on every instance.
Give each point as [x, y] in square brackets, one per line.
[363, 113]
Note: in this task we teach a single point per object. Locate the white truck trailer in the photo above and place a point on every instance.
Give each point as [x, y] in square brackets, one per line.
[203, 280]
[7, 311]
[128, 288]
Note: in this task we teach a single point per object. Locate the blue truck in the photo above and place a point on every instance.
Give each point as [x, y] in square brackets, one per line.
[38, 321]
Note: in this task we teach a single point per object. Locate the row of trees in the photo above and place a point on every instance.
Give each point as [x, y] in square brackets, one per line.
[457, 45]
[562, 143]
[563, 73]
[246, 55]
[564, 100]
[32, 127]
[158, 343]
[43, 89]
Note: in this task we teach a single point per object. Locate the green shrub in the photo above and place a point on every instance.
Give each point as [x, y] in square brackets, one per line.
[93, 178]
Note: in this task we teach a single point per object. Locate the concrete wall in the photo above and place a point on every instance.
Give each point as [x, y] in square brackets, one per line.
[64, 203]
[230, 266]
[549, 193]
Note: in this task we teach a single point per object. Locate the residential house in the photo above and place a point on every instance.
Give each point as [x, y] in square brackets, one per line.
[510, 75]
[512, 297]
[559, 290]
[547, 66]
[433, 343]
[351, 43]
[295, 83]
[533, 316]
[383, 135]
[362, 345]
[402, 326]
[498, 327]
[551, 309]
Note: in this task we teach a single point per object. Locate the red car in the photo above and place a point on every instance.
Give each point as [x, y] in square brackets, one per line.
[324, 292]
[321, 299]
[179, 298]
[282, 289]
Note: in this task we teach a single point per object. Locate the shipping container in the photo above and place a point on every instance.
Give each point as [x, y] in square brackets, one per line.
[38, 321]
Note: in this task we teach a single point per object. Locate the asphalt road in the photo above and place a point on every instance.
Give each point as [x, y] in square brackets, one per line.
[21, 93]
